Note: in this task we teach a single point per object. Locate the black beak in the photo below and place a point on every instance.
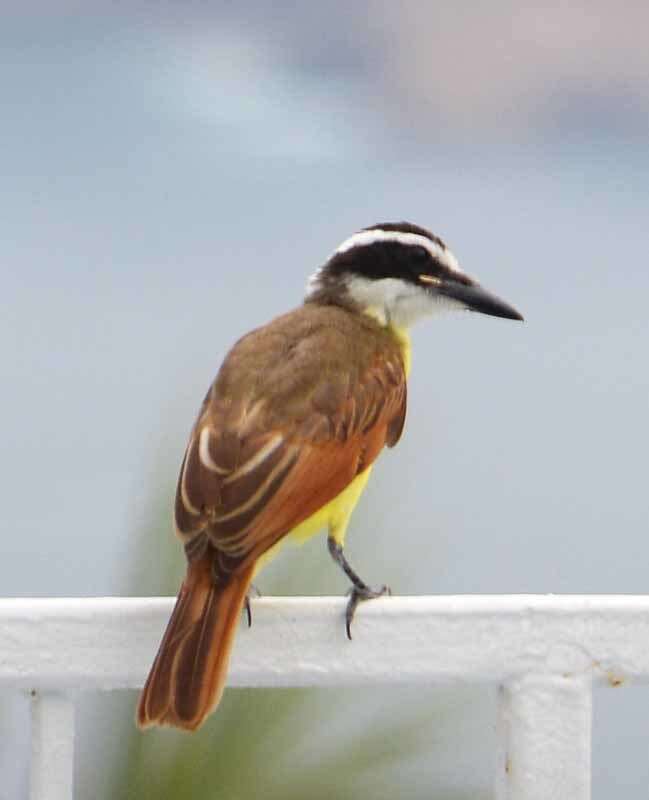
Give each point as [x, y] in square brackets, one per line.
[475, 298]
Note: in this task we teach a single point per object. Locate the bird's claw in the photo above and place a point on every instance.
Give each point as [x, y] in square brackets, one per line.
[254, 591]
[358, 595]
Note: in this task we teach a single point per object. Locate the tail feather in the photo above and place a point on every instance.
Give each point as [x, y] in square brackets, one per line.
[188, 675]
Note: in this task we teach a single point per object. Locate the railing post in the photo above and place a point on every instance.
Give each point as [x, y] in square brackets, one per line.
[52, 764]
[544, 728]
[547, 651]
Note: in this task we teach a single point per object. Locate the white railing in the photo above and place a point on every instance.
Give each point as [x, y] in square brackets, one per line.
[544, 653]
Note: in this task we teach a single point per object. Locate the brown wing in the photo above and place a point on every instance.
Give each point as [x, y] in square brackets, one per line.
[262, 459]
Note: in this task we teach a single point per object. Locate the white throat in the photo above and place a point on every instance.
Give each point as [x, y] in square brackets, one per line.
[391, 301]
[395, 302]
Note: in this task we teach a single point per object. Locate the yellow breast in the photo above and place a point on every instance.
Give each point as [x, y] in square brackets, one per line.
[400, 334]
[334, 517]
[403, 337]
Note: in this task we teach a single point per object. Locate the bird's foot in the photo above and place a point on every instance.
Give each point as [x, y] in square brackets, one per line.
[358, 594]
[253, 591]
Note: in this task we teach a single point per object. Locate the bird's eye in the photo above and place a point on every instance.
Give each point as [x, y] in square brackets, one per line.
[420, 253]
[431, 280]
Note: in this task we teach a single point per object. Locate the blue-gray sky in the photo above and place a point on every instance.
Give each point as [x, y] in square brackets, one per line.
[172, 173]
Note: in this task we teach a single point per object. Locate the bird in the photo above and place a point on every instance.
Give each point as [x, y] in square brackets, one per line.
[285, 441]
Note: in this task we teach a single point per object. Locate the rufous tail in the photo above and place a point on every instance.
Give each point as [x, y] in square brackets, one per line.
[188, 675]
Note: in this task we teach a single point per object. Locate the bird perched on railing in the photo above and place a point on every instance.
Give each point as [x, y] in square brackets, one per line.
[285, 440]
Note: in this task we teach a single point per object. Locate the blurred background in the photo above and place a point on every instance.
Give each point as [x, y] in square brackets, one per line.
[171, 175]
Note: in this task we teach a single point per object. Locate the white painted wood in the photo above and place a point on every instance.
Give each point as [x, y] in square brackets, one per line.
[547, 651]
[544, 729]
[108, 643]
[52, 762]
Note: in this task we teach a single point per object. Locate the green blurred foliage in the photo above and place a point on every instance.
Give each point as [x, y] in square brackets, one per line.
[280, 744]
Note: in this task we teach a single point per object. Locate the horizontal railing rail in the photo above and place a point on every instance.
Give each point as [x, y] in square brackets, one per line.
[543, 653]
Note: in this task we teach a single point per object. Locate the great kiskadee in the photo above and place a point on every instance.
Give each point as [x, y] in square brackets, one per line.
[285, 440]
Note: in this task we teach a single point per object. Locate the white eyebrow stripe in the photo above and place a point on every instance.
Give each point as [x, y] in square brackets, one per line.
[313, 284]
[366, 238]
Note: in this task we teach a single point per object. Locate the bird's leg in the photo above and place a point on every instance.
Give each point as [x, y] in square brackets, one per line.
[254, 592]
[360, 590]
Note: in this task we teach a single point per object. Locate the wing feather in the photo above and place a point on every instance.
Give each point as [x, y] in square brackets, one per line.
[251, 474]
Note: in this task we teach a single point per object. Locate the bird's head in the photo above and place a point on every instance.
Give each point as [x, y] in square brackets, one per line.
[398, 272]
